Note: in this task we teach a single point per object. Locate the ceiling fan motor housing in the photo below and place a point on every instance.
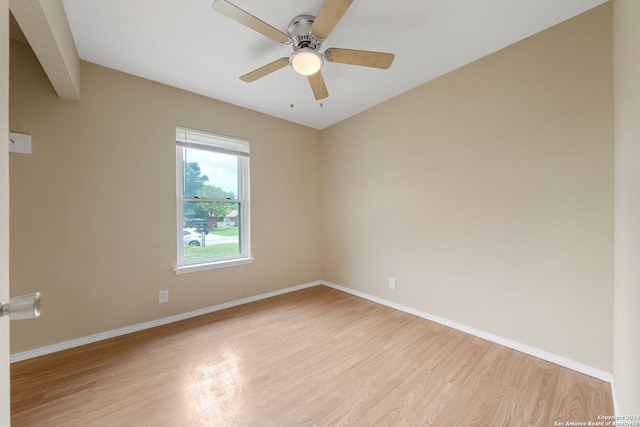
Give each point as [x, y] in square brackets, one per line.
[301, 35]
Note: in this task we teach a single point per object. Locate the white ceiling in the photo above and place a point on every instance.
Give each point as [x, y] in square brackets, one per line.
[186, 44]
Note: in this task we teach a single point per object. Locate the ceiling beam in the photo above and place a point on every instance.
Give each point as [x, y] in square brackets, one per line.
[45, 25]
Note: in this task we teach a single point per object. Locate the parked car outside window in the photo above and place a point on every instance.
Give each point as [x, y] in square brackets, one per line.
[192, 237]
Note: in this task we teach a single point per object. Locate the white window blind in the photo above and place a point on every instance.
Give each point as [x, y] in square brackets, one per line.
[186, 137]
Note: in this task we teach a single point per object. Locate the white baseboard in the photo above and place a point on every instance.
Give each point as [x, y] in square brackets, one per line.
[550, 357]
[41, 351]
[527, 349]
[616, 410]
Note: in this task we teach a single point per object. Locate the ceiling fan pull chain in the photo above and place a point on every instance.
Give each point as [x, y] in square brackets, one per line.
[291, 93]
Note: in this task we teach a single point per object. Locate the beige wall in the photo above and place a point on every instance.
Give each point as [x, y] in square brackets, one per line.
[93, 208]
[488, 194]
[627, 193]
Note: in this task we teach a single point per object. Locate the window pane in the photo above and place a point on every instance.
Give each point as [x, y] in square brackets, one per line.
[209, 174]
[211, 229]
[212, 192]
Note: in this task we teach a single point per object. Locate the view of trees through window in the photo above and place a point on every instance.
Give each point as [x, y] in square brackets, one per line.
[211, 224]
[196, 185]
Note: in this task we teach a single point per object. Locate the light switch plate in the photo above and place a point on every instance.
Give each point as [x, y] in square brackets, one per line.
[19, 143]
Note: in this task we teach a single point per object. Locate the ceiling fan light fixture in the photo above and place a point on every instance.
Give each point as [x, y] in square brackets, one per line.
[306, 61]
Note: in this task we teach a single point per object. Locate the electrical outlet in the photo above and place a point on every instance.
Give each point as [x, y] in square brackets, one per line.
[163, 296]
[392, 283]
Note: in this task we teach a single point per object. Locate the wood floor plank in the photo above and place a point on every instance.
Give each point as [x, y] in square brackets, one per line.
[316, 357]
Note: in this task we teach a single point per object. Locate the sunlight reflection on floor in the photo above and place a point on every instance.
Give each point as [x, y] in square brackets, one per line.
[213, 388]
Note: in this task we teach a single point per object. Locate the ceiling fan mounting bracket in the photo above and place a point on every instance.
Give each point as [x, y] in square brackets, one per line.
[300, 33]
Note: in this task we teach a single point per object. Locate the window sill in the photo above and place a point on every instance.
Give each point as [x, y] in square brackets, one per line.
[191, 268]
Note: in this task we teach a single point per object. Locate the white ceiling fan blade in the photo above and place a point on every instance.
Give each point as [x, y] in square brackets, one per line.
[359, 57]
[248, 20]
[263, 71]
[328, 16]
[318, 86]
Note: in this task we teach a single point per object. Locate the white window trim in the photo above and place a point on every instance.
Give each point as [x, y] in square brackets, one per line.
[192, 268]
[184, 138]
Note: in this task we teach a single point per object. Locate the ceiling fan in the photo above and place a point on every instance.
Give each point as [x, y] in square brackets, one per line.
[306, 34]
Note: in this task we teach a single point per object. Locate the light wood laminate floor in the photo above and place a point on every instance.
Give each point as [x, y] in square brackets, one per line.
[312, 357]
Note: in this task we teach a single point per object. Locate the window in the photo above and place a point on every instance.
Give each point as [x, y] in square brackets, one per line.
[212, 200]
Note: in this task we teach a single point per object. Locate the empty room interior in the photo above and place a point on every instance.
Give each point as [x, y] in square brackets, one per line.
[439, 228]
